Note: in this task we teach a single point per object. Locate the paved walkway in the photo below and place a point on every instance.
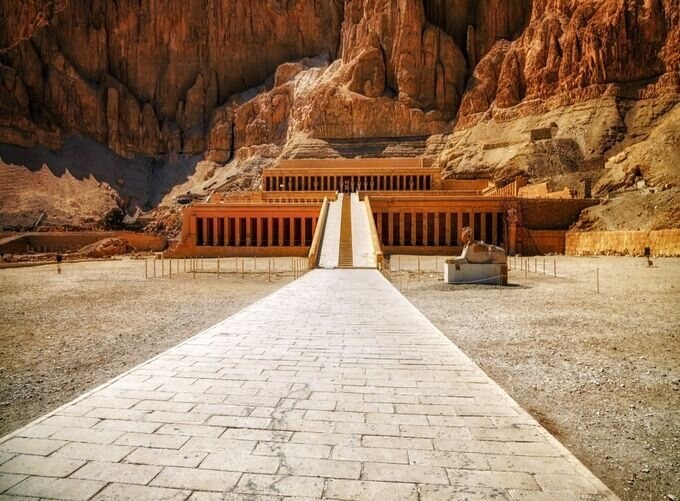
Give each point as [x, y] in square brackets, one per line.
[330, 245]
[333, 387]
[362, 244]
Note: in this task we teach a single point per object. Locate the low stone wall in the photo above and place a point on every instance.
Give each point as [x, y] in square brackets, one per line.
[544, 242]
[65, 241]
[660, 243]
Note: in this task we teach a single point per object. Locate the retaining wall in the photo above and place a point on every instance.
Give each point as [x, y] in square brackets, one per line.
[660, 243]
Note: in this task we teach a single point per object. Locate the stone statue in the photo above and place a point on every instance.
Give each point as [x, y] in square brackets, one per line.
[479, 252]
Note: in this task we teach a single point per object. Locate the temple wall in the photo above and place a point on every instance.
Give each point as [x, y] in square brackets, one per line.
[544, 242]
[660, 243]
[548, 214]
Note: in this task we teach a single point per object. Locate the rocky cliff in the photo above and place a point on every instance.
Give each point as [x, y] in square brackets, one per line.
[168, 86]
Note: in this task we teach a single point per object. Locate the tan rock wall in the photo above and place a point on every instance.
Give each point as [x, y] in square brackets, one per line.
[660, 243]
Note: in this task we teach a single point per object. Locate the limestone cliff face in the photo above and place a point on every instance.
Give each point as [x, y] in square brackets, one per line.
[145, 76]
[230, 80]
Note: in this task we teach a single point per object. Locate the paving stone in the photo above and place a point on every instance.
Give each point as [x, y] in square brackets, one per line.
[530, 464]
[153, 440]
[320, 467]
[500, 479]
[126, 426]
[117, 472]
[95, 452]
[38, 446]
[118, 492]
[235, 461]
[285, 485]
[90, 435]
[239, 422]
[164, 405]
[112, 402]
[449, 459]
[346, 440]
[191, 430]
[125, 414]
[263, 435]
[38, 431]
[362, 490]
[166, 457]
[192, 478]
[38, 465]
[71, 421]
[211, 444]
[7, 480]
[292, 449]
[559, 483]
[404, 473]
[59, 488]
[374, 454]
[5, 456]
[458, 492]
[397, 442]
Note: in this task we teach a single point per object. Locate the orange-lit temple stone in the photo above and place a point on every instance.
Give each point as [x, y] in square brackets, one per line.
[414, 211]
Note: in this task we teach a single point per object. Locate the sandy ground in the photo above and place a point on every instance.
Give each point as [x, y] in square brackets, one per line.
[601, 372]
[64, 334]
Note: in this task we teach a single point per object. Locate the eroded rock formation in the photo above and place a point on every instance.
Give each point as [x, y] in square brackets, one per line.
[241, 84]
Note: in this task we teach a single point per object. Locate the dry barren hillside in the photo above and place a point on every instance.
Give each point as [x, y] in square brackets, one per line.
[121, 104]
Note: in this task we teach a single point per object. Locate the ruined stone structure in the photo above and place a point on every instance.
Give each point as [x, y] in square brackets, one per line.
[413, 210]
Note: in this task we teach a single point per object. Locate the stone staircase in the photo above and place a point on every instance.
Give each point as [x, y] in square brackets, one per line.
[346, 257]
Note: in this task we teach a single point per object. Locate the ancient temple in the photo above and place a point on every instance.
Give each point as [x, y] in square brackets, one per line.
[410, 209]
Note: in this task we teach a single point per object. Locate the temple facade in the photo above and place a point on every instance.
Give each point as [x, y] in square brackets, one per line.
[414, 211]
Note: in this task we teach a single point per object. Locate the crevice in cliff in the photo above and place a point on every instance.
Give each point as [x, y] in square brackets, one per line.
[491, 21]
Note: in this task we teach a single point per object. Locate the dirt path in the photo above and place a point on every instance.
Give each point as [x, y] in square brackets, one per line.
[602, 372]
[63, 334]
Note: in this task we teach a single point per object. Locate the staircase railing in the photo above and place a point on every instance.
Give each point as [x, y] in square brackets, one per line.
[377, 248]
[315, 248]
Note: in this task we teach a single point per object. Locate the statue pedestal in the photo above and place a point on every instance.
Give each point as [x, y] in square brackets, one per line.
[475, 273]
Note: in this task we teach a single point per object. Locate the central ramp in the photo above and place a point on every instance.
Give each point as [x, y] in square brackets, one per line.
[347, 240]
[335, 386]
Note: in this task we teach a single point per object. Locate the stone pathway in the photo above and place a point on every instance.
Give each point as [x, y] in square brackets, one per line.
[333, 387]
[362, 244]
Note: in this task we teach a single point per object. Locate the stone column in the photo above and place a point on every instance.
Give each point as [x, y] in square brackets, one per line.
[249, 236]
[494, 228]
[472, 223]
[482, 234]
[379, 226]
[237, 231]
[205, 231]
[447, 230]
[402, 229]
[303, 231]
[192, 229]
[281, 223]
[459, 227]
[414, 229]
[426, 227]
[390, 228]
[437, 216]
[270, 231]
[291, 237]
[512, 231]
[258, 241]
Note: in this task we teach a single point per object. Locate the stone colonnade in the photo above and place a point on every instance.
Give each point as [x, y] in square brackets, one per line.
[437, 228]
[242, 230]
[380, 182]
